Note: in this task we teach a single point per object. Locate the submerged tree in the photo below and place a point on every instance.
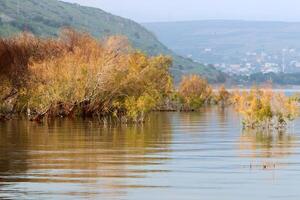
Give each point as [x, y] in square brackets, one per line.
[265, 110]
[77, 75]
[194, 92]
[222, 97]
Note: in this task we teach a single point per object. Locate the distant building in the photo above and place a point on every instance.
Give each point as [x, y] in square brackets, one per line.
[207, 50]
[292, 50]
[297, 64]
[251, 53]
[270, 67]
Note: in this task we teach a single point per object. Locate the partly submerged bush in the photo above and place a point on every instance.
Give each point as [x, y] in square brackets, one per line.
[265, 109]
[194, 92]
[78, 75]
[296, 97]
[222, 97]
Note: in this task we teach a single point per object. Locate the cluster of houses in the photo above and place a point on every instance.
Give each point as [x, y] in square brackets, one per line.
[282, 61]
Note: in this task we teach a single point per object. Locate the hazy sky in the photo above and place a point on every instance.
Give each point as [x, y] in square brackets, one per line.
[178, 10]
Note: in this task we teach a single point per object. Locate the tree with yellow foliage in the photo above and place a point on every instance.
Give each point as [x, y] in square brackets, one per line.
[222, 97]
[264, 109]
[194, 92]
[77, 75]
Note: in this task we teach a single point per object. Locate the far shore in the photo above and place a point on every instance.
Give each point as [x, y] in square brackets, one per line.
[290, 89]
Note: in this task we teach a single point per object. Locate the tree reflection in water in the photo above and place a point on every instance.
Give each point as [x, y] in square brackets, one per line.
[82, 152]
[266, 148]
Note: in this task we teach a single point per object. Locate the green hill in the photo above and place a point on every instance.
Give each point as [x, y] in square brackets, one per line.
[46, 17]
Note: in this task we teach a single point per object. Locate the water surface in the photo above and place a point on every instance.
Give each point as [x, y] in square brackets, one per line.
[200, 155]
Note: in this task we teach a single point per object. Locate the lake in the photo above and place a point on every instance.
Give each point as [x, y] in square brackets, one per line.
[203, 155]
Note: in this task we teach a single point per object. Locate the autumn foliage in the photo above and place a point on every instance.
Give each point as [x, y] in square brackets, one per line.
[194, 92]
[222, 97]
[265, 109]
[76, 74]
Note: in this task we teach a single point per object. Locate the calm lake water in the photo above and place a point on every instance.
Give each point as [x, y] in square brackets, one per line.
[201, 155]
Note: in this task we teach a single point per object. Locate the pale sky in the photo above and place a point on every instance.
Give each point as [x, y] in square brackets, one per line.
[180, 10]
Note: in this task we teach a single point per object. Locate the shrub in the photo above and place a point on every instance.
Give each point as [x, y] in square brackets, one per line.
[264, 109]
[222, 97]
[76, 74]
[194, 92]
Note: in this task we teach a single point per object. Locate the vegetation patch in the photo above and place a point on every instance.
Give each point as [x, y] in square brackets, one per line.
[78, 75]
[265, 110]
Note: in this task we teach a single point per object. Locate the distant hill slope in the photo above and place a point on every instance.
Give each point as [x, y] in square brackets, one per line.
[46, 17]
[229, 40]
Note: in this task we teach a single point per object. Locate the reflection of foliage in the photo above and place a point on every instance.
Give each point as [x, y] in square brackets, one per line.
[269, 140]
[84, 149]
[268, 144]
[12, 140]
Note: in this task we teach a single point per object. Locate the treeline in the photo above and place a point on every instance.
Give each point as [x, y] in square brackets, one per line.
[278, 79]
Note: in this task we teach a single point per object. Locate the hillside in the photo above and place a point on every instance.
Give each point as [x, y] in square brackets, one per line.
[216, 41]
[46, 17]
